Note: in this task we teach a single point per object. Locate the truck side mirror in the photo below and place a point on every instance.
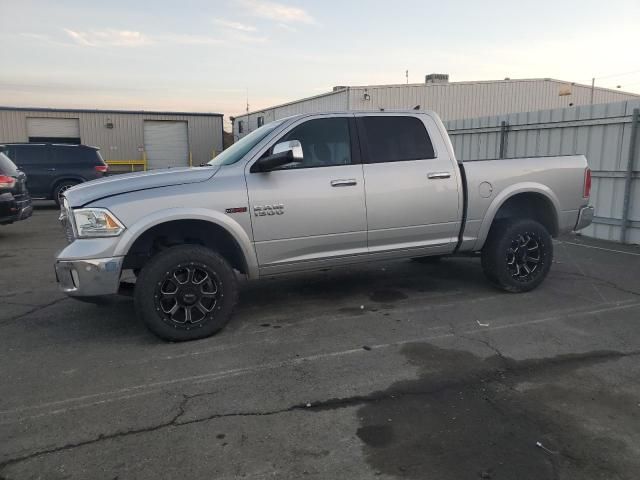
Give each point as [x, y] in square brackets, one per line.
[283, 153]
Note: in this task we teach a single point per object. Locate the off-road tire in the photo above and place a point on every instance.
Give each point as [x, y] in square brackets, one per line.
[517, 255]
[154, 297]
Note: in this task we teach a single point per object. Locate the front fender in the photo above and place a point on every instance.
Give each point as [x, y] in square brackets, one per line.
[136, 229]
[506, 194]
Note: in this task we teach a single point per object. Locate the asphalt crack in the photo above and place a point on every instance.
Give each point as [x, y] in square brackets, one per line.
[33, 310]
[486, 343]
[453, 331]
[509, 368]
[608, 283]
[100, 438]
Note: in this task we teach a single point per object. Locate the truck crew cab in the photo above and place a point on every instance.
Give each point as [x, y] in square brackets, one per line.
[308, 192]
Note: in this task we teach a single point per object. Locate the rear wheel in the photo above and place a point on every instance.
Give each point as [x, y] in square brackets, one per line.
[62, 187]
[517, 255]
[185, 293]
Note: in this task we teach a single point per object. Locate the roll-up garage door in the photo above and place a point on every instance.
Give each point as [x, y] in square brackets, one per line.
[46, 129]
[166, 144]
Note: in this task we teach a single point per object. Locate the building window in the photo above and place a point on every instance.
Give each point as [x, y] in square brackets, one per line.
[240, 126]
[260, 121]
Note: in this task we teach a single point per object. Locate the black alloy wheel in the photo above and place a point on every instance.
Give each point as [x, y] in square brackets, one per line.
[517, 255]
[524, 256]
[186, 292]
[188, 295]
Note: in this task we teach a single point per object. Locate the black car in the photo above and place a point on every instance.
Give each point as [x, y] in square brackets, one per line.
[53, 168]
[15, 202]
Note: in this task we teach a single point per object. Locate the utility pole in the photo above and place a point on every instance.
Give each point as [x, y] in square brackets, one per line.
[593, 87]
[248, 119]
[406, 74]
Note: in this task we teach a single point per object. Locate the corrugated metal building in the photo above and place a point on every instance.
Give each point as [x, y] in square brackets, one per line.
[452, 100]
[127, 139]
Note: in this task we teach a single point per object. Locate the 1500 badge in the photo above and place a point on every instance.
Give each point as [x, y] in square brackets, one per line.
[262, 210]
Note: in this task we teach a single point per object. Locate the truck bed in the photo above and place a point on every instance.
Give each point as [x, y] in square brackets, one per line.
[490, 182]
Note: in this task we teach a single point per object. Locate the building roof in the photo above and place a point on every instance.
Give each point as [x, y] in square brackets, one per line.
[133, 112]
[320, 95]
[341, 89]
[510, 80]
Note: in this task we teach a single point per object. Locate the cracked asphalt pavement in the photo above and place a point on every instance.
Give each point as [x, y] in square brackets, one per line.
[388, 370]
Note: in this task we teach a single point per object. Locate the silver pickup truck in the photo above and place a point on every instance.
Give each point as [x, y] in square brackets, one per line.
[308, 192]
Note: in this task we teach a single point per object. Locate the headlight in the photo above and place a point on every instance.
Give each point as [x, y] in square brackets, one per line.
[96, 222]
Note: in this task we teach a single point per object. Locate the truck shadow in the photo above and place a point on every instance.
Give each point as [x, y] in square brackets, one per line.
[376, 285]
[380, 286]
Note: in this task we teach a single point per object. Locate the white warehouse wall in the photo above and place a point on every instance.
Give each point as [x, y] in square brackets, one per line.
[456, 100]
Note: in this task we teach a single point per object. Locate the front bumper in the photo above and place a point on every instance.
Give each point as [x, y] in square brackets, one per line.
[585, 217]
[89, 277]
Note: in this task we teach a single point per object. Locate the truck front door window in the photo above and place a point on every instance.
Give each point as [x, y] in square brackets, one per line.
[325, 142]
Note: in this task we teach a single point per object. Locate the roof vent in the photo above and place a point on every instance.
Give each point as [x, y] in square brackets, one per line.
[339, 87]
[437, 78]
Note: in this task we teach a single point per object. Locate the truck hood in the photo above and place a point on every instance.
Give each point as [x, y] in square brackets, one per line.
[88, 192]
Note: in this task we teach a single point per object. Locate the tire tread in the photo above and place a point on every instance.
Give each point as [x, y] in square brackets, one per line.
[148, 277]
[492, 260]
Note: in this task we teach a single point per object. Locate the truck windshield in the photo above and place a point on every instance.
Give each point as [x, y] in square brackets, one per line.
[239, 149]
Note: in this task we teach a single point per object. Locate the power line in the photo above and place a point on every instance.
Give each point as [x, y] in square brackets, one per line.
[593, 80]
[617, 75]
[626, 85]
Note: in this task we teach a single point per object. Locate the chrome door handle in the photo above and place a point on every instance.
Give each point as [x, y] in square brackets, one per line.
[438, 175]
[347, 182]
[51, 169]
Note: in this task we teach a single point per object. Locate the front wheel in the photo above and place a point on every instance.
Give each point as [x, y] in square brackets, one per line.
[517, 255]
[185, 293]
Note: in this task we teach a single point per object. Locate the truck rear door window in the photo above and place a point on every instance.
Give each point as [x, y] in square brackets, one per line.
[395, 139]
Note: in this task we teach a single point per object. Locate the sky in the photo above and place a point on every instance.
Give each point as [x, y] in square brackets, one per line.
[209, 56]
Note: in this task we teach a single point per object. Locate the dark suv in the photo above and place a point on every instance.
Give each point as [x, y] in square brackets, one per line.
[15, 202]
[52, 168]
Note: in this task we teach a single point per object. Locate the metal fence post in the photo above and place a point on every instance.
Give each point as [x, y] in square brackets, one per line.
[504, 131]
[635, 121]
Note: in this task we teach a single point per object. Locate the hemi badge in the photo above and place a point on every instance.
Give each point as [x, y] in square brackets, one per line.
[236, 210]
